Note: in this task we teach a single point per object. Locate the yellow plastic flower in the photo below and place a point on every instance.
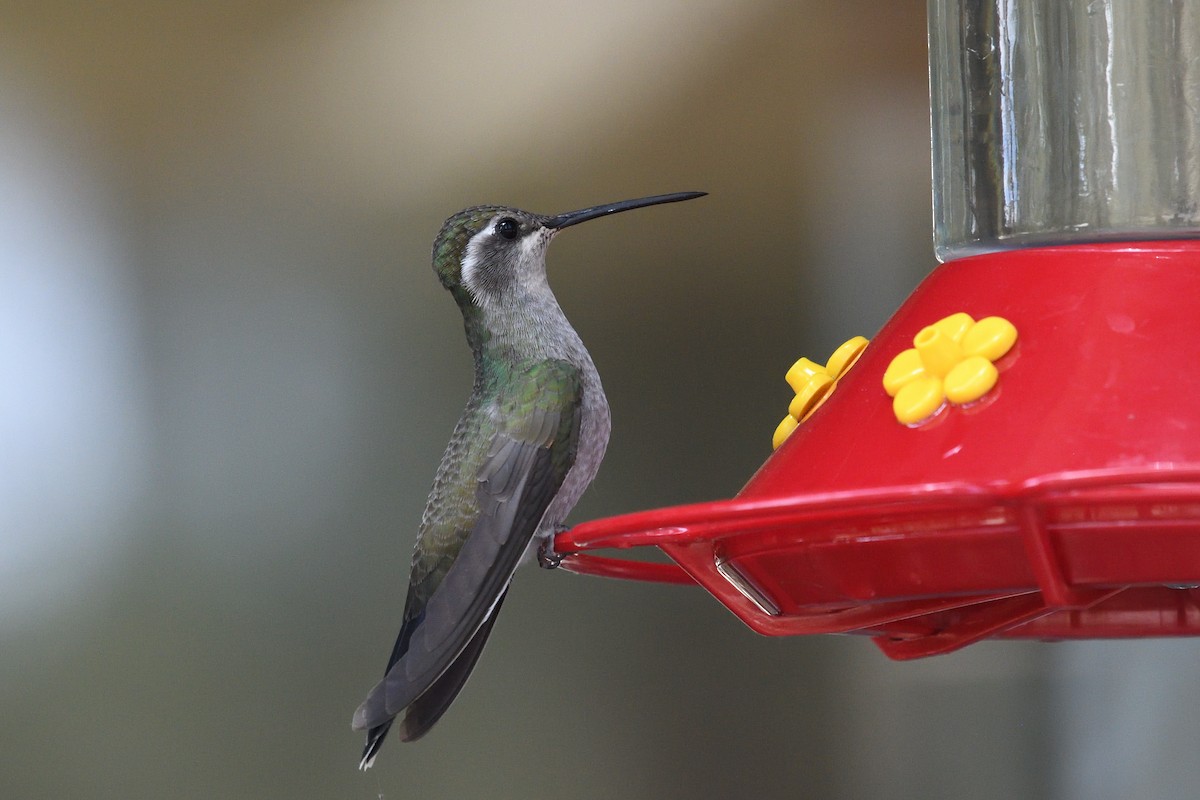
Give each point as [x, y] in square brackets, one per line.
[813, 383]
[951, 360]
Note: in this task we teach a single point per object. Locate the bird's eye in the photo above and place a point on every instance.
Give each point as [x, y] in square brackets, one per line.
[508, 228]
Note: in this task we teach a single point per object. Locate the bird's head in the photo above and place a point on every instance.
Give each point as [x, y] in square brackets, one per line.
[485, 253]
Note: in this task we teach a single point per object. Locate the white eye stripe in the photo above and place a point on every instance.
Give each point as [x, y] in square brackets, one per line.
[470, 262]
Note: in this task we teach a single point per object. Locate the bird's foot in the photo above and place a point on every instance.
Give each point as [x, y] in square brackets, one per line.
[547, 557]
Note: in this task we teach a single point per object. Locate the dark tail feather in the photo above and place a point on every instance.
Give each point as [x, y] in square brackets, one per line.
[427, 709]
[375, 738]
[376, 735]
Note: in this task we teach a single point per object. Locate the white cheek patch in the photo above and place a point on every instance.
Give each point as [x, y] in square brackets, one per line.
[470, 262]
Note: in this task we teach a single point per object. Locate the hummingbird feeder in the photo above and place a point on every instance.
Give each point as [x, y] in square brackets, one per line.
[1017, 452]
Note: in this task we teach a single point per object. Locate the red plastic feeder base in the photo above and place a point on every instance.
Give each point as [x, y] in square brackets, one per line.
[1064, 504]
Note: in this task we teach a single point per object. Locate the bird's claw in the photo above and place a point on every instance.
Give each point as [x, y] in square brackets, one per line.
[547, 557]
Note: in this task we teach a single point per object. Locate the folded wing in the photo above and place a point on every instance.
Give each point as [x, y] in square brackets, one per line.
[519, 472]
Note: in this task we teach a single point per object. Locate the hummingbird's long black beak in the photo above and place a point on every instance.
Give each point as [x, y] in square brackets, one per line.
[584, 214]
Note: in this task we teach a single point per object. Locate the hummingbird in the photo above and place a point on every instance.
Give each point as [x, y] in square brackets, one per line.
[528, 443]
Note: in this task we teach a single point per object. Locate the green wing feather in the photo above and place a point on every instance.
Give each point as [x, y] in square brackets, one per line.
[486, 505]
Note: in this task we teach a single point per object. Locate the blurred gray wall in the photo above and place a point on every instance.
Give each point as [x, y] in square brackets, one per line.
[227, 374]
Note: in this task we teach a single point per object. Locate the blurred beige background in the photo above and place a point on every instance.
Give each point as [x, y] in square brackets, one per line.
[228, 373]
